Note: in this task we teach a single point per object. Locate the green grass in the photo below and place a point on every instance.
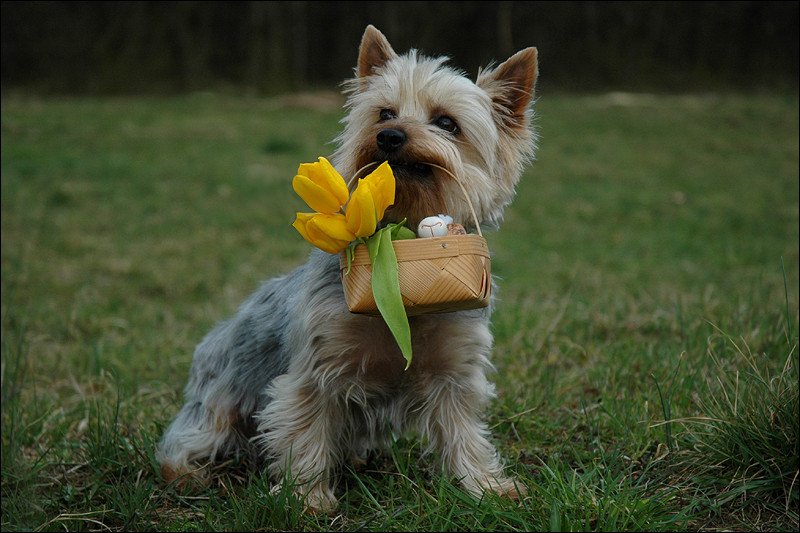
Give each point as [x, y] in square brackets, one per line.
[646, 337]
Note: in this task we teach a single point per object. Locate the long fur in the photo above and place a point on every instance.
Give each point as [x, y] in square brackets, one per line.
[297, 379]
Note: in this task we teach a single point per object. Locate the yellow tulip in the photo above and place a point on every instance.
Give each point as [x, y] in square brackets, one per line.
[328, 232]
[322, 188]
[382, 185]
[361, 213]
[373, 195]
[325, 191]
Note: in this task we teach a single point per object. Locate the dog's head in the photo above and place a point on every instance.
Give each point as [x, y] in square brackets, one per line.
[443, 135]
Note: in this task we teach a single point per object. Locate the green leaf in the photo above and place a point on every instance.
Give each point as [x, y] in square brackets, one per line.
[400, 232]
[386, 289]
[351, 254]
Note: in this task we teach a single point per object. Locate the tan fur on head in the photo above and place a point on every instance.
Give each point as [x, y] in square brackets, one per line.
[493, 143]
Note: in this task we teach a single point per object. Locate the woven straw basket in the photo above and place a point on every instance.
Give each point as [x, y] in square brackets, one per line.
[437, 275]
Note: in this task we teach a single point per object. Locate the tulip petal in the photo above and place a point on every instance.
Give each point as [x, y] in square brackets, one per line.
[360, 212]
[317, 197]
[322, 188]
[326, 232]
[301, 225]
[332, 226]
[382, 183]
[323, 172]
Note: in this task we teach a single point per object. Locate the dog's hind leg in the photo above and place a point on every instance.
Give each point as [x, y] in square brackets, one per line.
[214, 420]
[198, 436]
[229, 371]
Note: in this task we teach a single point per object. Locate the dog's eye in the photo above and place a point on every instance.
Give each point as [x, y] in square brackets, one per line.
[446, 123]
[387, 114]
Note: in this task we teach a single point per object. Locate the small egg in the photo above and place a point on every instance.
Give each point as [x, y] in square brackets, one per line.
[456, 229]
[432, 227]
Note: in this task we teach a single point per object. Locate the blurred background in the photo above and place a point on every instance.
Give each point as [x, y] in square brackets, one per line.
[262, 48]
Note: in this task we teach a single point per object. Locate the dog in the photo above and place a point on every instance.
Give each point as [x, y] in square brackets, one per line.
[295, 378]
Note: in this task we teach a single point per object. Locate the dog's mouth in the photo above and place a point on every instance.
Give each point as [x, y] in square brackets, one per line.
[411, 171]
[417, 187]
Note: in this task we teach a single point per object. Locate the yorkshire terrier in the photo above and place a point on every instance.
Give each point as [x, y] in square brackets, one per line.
[297, 379]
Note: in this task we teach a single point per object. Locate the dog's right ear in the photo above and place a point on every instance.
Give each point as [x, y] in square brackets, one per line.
[374, 52]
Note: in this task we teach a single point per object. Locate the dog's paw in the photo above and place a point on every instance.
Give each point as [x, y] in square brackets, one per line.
[508, 488]
[359, 459]
[320, 500]
[185, 478]
[317, 500]
[504, 487]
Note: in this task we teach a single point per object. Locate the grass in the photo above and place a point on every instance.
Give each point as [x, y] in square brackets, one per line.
[646, 337]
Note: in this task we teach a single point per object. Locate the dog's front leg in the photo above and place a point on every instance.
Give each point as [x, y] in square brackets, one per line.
[298, 429]
[455, 429]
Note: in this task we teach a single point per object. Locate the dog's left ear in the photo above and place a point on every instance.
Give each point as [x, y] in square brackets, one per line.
[374, 51]
[511, 84]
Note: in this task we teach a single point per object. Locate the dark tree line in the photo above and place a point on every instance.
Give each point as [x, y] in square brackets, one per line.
[132, 47]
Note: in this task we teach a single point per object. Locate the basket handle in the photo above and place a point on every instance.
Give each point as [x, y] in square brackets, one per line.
[461, 186]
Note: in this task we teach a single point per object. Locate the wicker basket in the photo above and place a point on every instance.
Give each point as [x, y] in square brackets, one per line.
[437, 275]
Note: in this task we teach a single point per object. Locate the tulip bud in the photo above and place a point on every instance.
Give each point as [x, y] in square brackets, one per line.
[327, 232]
[322, 188]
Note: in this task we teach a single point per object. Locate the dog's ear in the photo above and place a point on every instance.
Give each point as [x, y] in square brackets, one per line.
[374, 51]
[511, 84]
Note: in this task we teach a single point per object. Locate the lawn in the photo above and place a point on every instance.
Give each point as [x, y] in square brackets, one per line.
[646, 334]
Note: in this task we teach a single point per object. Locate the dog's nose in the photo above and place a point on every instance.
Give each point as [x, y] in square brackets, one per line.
[391, 139]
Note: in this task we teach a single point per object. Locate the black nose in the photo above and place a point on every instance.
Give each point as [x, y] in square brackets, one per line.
[390, 139]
